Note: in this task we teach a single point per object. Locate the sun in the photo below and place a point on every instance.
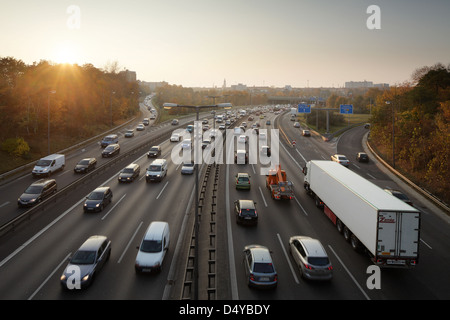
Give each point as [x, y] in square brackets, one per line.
[66, 52]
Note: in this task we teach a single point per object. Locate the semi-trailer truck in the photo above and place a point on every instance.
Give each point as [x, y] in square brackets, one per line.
[369, 218]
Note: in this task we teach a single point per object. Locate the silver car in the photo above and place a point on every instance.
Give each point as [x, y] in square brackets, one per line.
[188, 168]
[311, 258]
[86, 262]
[259, 268]
[340, 158]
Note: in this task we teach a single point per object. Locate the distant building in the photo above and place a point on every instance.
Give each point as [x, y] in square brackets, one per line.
[239, 87]
[130, 76]
[365, 84]
[154, 85]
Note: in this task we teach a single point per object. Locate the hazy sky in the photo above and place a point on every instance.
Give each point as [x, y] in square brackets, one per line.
[254, 42]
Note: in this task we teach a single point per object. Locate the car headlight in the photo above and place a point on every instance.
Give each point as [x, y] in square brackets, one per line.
[97, 205]
[85, 278]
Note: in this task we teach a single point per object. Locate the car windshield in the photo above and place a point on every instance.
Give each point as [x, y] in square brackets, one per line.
[96, 196]
[83, 257]
[33, 190]
[83, 162]
[400, 196]
[189, 164]
[342, 158]
[128, 170]
[151, 246]
[154, 168]
[154, 149]
[44, 163]
[318, 261]
[108, 139]
[263, 267]
[109, 148]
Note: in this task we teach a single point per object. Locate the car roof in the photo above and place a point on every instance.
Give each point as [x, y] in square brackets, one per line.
[93, 243]
[101, 189]
[312, 246]
[247, 204]
[155, 230]
[242, 174]
[260, 253]
[42, 182]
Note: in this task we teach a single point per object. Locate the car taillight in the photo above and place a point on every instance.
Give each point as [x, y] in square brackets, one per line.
[307, 266]
[330, 268]
[252, 277]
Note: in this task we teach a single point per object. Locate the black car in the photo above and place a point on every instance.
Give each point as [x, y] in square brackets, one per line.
[129, 173]
[85, 165]
[98, 199]
[88, 260]
[111, 150]
[400, 195]
[246, 212]
[36, 192]
[362, 157]
[154, 152]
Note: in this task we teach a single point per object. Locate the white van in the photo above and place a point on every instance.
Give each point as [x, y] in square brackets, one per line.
[153, 247]
[157, 170]
[49, 164]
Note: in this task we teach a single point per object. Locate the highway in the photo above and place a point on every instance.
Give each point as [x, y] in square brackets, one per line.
[32, 257]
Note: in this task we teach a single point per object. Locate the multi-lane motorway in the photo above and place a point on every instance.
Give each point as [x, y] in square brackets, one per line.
[33, 256]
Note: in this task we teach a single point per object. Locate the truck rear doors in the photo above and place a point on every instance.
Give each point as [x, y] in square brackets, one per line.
[398, 237]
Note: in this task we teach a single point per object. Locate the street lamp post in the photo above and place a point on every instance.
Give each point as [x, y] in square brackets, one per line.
[196, 222]
[48, 120]
[393, 134]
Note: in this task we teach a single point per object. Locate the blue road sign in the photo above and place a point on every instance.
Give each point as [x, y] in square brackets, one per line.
[346, 109]
[304, 108]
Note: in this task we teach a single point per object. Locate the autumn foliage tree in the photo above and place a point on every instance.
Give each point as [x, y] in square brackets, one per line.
[82, 101]
[420, 114]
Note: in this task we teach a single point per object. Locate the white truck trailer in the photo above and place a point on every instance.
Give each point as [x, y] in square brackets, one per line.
[368, 216]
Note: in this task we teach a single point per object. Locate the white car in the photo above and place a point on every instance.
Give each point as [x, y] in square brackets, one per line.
[153, 247]
[186, 144]
[340, 158]
[242, 139]
[188, 168]
[140, 127]
[175, 137]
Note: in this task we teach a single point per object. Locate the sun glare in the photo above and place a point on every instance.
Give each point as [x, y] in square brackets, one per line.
[65, 53]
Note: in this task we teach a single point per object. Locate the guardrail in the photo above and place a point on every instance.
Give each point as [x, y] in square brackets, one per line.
[439, 203]
[27, 167]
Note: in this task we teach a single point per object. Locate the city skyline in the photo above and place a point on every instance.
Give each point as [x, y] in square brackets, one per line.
[258, 43]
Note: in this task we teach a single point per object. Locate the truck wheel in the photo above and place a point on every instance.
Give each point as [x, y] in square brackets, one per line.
[347, 234]
[356, 244]
[339, 226]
